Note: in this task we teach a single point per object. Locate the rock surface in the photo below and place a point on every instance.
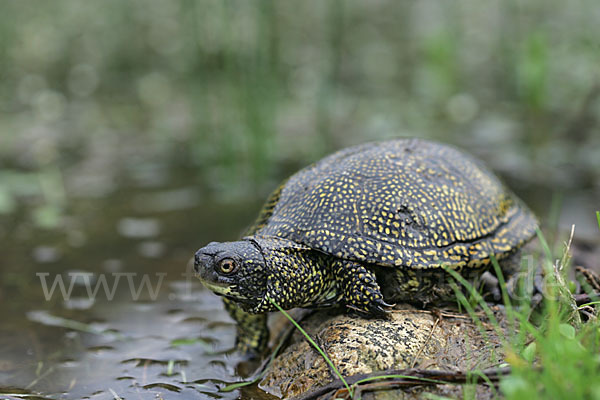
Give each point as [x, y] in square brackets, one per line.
[409, 338]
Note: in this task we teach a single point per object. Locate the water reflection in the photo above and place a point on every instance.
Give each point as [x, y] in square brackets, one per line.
[118, 315]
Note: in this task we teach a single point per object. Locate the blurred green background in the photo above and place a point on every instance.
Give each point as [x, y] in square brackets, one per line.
[134, 132]
[240, 93]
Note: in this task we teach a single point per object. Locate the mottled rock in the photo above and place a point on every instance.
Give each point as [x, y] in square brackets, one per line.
[409, 338]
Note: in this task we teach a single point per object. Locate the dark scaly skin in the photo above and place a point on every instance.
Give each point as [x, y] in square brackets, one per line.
[296, 275]
[366, 225]
[293, 276]
[359, 288]
[252, 333]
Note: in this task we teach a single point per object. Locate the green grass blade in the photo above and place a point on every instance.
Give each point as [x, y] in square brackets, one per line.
[505, 297]
[592, 303]
[487, 380]
[315, 345]
[470, 310]
[480, 301]
[544, 244]
[238, 385]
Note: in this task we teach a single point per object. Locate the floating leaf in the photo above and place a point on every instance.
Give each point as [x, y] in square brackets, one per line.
[188, 341]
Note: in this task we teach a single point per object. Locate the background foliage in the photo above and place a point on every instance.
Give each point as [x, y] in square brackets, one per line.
[237, 89]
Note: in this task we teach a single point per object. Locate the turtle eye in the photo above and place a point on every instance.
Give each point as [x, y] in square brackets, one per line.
[227, 266]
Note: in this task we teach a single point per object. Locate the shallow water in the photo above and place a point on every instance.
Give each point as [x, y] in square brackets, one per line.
[151, 332]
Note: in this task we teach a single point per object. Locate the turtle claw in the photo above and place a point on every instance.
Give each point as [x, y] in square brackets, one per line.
[361, 292]
[377, 308]
[380, 308]
[388, 306]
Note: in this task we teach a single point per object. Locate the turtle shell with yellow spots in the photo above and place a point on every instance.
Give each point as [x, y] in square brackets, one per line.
[407, 204]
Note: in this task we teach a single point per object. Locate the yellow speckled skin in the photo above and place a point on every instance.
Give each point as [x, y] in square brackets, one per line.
[371, 223]
[252, 332]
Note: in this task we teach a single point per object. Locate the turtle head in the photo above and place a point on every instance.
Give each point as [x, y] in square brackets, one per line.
[235, 270]
[256, 270]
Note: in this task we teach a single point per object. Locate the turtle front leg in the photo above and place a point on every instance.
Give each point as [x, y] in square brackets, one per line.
[252, 331]
[359, 289]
